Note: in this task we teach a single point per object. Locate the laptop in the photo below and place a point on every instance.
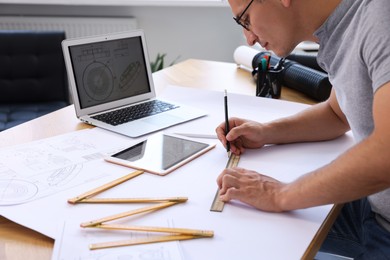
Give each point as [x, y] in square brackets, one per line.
[112, 87]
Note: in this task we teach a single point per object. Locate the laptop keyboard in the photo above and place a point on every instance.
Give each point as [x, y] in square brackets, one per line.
[128, 114]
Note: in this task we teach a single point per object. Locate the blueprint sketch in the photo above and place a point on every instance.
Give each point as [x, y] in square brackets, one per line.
[73, 244]
[109, 70]
[37, 169]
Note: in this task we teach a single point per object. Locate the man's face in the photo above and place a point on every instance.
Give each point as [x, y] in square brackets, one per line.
[270, 24]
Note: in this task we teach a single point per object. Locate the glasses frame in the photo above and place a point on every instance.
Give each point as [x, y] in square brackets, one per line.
[239, 17]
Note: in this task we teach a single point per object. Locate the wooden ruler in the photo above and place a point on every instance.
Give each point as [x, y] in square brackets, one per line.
[174, 233]
[218, 205]
[132, 200]
[104, 187]
[141, 241]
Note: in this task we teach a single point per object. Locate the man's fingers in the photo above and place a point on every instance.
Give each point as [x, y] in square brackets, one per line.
[230, 178]
[228, 182]
[231, 194]
[235, 172]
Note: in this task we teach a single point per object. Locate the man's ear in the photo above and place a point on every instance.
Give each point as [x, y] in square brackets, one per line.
[286, 3]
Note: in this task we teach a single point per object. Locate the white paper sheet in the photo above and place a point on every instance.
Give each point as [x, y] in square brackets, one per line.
[73, 243]
[241, 232]
[42, 168]
[250, 107]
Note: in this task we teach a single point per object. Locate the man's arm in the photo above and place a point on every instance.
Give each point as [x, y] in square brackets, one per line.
[362, 170]
[320, 122]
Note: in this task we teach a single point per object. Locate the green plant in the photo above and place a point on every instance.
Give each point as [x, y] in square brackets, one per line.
[158, 63]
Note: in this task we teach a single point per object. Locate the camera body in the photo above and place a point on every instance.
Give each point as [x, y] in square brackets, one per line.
[312, 82]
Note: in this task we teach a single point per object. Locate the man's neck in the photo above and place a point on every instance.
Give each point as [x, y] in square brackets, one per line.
[314, 13]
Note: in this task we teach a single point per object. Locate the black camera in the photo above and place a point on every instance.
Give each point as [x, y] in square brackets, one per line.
[313, 82]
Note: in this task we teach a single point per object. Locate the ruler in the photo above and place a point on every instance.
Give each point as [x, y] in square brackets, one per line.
[218, 205]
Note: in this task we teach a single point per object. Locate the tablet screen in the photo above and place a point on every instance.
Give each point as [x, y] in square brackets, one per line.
[160, 153]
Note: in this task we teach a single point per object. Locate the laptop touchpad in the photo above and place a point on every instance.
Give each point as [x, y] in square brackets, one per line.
[162, 119]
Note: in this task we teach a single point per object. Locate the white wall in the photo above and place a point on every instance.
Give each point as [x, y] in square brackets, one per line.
[185, 32]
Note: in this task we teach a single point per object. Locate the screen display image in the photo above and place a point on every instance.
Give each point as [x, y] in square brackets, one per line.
[110, 70]
[160, 153]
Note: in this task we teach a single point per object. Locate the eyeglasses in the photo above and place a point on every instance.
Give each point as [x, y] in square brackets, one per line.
[244, 24]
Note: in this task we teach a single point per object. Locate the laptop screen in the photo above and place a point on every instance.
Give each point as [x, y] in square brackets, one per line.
[109, 70]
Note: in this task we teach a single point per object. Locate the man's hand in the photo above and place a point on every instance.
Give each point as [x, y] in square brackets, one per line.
[243, 134]
[250, 187]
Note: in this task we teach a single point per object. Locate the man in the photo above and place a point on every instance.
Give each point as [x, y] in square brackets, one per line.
[354, 40]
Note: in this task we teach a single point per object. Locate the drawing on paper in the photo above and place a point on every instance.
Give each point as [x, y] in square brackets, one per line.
[135, 253]
[16, 191]
[64, 175]
[73, 243]
[45, 167]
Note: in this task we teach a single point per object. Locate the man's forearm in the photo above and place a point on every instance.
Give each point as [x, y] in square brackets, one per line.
[361, 171]
[318, 123]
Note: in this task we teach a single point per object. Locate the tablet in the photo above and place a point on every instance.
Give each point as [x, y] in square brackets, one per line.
[160, 153]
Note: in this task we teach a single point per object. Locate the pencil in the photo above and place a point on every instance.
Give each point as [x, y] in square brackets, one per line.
[227, 127]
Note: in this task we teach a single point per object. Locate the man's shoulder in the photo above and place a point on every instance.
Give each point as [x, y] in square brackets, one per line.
[377, 9]
[374, 22]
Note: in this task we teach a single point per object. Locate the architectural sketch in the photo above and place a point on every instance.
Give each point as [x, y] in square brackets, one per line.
[158, 253]
[129, 75]
[73, 243]
[16, 191]
[98, 81]
[42, 168]
[107, 69]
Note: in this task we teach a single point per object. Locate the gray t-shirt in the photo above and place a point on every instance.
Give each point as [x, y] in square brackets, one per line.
[355, 51]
